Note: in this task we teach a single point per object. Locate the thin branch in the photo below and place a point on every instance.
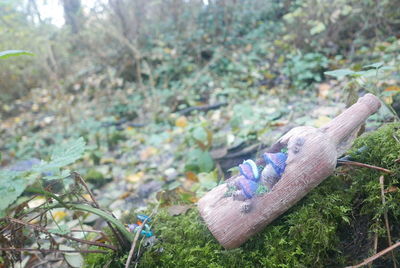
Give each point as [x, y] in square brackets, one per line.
[87, 231]
[358, 164]
[41, 229]
[395, 137]
[132, 251]
[385, 216]
[54, 250]
[375, 247]
[202, 108]
[121, 239]
[374, 257]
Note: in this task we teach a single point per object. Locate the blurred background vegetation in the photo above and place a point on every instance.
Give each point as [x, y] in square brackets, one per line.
[170, 95]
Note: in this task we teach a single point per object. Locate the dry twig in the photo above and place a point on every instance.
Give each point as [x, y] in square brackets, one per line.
[53, 250]
[43, 230]
[121, 239]
[374, 257]
[132, 250]
[385, 216]
[358, 164]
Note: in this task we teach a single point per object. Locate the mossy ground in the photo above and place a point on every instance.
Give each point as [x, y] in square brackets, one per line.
[333, 226]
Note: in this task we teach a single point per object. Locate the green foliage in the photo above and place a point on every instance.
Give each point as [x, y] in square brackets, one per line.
[305, 69]
[63, 155]
[110, 259]
[367, 77]
[370, 70]
[13, 183]
[199, 161]
[13, 53]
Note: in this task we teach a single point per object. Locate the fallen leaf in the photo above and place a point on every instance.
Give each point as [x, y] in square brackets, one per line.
[133, 178]
[147, 153]
[391, 189]
[392, 88]
[87, 197]
[191, 176]
[219, 152]
[124, 195]
[37, 201]
[181, 122]
[322, 120]
[59, 215]
[178, 209]
[323, 90]
[73, 259]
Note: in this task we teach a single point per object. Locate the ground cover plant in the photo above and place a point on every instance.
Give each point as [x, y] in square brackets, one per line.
[141, 107]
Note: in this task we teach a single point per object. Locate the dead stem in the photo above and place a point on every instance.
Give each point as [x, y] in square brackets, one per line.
[41, 229]
[353, 163]
[374, 257]
[132, 250]
[385, 216]
[122, 241]
[53, 250]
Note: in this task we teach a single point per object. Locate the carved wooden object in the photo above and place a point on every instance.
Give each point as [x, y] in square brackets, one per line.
[311, 157]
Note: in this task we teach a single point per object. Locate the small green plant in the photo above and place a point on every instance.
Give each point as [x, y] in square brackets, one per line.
[367, 77]
[199, 137]
[305, 69]
[39, 179]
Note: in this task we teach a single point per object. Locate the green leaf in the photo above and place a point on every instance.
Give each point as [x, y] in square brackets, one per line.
[340, 73]
[74, 259]
[63, 155]
[12, 185]
[63, 230]
[119, 225]
[376, 65]
[200, 134]
[208, 180]
[318, 28]
[199, 161]
[64, 174]
[13, 53]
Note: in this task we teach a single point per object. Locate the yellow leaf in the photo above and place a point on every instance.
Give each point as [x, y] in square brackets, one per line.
[181, 122]
[388, 100]
[87, 197]
[191, 176]
[147, 153]
[133, 178]
[124, 195]
[323, 90]
[37, 201]
[59, 215]
[322, 120]
[392, 88]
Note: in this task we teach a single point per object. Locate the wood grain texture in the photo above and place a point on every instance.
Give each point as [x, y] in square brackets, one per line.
[312, 155]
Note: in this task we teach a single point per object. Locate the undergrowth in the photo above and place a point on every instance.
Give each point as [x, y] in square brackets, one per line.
[334, 225]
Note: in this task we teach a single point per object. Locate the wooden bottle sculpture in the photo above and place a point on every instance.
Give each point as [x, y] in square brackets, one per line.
[290, 168]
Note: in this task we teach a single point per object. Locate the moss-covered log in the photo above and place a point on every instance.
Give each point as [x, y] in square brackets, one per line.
[333, 226]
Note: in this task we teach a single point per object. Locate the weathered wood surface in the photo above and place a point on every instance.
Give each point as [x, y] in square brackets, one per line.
[312, 156]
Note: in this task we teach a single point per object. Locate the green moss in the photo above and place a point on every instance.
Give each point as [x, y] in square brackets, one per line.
[304, 237]
[332, 226]
[111, 259]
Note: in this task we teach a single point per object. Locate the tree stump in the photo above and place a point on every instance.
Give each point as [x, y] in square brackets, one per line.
[311, 157]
